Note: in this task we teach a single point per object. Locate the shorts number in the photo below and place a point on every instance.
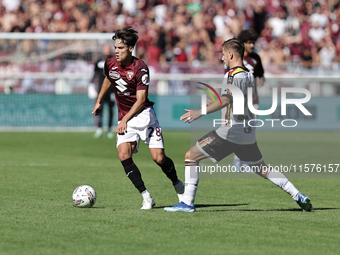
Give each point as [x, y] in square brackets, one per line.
[151, 131]
[158, 131]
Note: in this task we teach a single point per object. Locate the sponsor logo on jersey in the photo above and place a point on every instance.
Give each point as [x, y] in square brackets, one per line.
[145, 79]
[129, 75]
[206, 141]
[121, 85]
[114, 75]
[230, 80]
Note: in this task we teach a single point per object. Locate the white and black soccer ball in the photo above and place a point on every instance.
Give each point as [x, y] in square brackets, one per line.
[84, 196]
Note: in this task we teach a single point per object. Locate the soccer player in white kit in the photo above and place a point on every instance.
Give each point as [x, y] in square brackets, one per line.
[234, 137]
[137, 119]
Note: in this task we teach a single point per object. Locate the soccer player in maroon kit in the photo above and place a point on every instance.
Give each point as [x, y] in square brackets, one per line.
[137, 120]
[252, 60]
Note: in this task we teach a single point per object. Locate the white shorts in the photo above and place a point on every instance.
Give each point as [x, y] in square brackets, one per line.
[143, 126]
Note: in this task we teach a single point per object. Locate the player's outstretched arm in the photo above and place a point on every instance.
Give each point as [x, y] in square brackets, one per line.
[192, 115]
[105, 87]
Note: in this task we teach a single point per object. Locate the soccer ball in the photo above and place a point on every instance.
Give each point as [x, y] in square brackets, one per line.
[84, 196]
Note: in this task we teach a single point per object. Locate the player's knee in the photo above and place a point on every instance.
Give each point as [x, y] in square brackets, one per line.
[159, 158]
[187, 155]
[192, 157]
[123, 156]
[261, 169]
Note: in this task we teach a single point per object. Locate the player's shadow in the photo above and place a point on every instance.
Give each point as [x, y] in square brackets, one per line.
[264, 210]
[205, 205]
[216, 205]
[199, 206]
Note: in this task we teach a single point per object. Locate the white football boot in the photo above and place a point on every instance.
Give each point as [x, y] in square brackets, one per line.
[148, 203]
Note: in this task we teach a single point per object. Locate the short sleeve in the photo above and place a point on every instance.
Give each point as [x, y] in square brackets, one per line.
[142, 76]
[259, 71]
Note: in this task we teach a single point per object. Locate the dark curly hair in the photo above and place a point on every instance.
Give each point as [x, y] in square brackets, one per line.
[128, 36]
[247, 35]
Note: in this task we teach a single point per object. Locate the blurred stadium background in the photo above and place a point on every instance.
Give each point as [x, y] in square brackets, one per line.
[47, 54]
[48, 50]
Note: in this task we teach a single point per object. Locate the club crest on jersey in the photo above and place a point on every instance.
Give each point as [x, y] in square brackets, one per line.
[114, 75]
[129, 75]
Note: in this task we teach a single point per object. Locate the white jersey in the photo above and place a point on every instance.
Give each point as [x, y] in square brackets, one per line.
[237, 129]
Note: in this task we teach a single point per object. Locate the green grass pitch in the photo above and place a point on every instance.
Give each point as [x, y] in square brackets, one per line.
[39, 171]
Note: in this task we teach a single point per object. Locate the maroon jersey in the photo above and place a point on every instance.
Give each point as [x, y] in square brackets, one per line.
[254, 64]
[126, 81]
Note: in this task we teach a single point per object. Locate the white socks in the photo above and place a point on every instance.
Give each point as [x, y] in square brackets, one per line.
[191, 181]
[145, 194]
[192, 178]
[279, 179]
